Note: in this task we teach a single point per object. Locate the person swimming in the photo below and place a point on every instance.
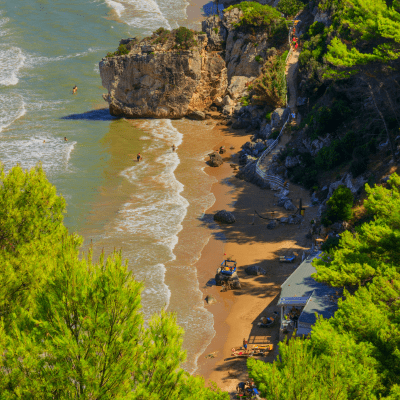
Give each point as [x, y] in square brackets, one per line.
[173, 147]
[138, 157]
[65, 139]
[74, 89]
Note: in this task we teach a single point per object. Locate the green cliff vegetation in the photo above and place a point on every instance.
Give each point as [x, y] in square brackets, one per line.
[257, 16]
[70, 327]
[356, 354]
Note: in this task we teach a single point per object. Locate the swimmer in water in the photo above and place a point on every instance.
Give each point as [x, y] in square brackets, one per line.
[74, 89]
[138, 157]
[44, 141]
[173, 147]
[65, 139]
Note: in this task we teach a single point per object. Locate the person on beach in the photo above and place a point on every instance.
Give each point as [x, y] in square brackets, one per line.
[74, 89]
[173, 147]
[245, 343]
[65, 139]
[138, 157]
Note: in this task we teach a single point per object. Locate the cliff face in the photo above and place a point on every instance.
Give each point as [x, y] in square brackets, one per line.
[162, 82]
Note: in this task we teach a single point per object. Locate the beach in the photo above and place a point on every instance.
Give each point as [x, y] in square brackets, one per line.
[249, 242]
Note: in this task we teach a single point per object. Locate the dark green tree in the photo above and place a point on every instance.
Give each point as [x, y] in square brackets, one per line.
[339, 206]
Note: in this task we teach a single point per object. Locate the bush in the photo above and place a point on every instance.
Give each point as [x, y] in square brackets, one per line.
[323, 119]
[184, 38]
[331, 243]
[257, 15]
[339, 206]
[271, 87]
[259, 59]
[290, 7]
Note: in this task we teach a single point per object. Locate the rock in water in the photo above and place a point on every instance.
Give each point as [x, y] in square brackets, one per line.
[215, 160]
[225, 217]
[210, 299]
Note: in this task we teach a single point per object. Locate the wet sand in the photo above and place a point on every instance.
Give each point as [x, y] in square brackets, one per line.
[249, 242]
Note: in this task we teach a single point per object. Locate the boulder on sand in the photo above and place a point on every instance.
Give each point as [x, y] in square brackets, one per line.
[225, 217]
[271, 225]
[215, 160]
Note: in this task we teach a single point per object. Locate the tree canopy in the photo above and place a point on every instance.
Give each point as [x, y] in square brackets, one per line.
[80, 332]
[356, 354]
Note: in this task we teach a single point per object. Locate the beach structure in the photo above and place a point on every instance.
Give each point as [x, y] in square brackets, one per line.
[302, 298]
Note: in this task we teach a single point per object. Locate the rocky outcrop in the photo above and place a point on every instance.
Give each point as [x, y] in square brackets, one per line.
[225, 217]
[215, 160]
[161, 82]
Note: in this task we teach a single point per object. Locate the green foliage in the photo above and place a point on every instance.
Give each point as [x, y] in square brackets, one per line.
[356, 354]
[245, 101]
[271, 87]
[322, 120]
[339, 206]
[290, 7]
[30, 209]
[274, 134]
[329, 365]
[268, 116]
[184, 38]
[81, 334]
[257, 15]
[369, 32]
[330, 243]
[216, 30]
[161, 36]
[122, 50]
[259, 59]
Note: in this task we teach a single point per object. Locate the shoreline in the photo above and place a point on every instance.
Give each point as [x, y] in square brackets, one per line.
[249, 242]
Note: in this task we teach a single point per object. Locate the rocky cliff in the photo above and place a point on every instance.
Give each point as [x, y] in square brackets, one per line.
[161, 77]
[161, 81]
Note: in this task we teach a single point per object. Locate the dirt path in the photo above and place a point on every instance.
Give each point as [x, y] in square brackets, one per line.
[292, 67]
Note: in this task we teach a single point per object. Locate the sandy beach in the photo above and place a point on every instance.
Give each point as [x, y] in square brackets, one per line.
[249, 242]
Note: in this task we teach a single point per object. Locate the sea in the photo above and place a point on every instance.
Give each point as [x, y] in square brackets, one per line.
[152, 210]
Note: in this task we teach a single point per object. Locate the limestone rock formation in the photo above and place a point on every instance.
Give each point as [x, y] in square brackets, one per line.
[161, 82]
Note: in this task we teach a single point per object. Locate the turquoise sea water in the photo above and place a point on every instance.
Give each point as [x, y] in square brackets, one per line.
[47, 47]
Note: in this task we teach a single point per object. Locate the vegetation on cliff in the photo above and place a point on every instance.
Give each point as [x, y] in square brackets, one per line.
[71, 327]
[356, 354]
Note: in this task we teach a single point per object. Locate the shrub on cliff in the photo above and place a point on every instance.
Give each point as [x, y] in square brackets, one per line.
[271, 86]
[257, 15]
[290, 7]
[184, 38]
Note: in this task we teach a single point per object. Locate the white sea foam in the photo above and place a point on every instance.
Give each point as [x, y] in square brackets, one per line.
[117, 7]
[54, 154]
[12, 107]
[12, 60]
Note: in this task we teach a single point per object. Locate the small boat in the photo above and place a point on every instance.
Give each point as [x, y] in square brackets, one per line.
[286, 258]
[228, 267]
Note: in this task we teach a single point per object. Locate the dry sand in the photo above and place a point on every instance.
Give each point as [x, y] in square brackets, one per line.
[249, 242]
